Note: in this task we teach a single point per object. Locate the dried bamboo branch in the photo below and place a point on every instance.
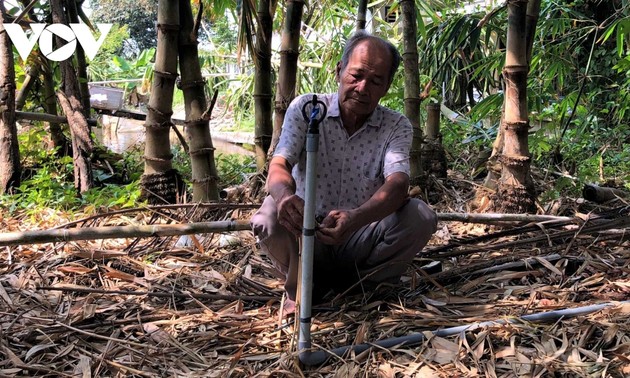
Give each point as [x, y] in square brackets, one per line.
[497, 218]
[158, 208]
[97, 336]
[115, 232]
[246, 298]
[558, 236]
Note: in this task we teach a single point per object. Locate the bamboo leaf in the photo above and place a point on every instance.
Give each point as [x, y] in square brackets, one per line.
[37, 348]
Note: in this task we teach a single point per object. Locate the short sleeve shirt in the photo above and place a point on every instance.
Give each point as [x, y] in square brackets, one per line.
[350, 169]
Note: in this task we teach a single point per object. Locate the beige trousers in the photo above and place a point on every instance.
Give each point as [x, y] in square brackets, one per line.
[378, 252]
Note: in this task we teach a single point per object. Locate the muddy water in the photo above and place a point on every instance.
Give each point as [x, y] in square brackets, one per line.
[121, 134]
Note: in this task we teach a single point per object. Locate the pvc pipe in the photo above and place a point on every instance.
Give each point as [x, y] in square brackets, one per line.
[308, 230]
[319, 357]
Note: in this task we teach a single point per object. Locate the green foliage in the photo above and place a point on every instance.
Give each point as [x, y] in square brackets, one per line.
[111, 196]
[231, 168]
[223, 35]
[48, 181]
[49, 186]
[234, 168]
[181, 161]
[239, 96]
[578, 89]
[119, 68]
[112, 45]
[457, 53]
[139, 16]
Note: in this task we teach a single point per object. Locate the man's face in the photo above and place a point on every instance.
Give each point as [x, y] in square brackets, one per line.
[365, 80]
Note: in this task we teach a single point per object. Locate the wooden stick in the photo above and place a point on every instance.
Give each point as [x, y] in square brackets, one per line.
[115, 232]
[497, 218]
[45, 117]
[229, 297]
[97, 336]
[131, 114]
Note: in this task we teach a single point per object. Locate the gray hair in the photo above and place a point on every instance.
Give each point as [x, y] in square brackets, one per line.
[360, 36]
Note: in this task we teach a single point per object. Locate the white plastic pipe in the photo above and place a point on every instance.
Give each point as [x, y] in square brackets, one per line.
[308, 230]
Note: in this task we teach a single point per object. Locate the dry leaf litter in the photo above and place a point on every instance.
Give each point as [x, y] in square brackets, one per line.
[208, 305]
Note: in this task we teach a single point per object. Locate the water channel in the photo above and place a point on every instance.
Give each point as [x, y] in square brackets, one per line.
[121, 134]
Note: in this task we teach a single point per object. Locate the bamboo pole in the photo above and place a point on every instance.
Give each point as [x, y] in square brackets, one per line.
[116, 232]
[45, 117]
[498, 218]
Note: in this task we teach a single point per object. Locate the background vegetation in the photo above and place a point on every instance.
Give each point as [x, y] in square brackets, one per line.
[579, 88]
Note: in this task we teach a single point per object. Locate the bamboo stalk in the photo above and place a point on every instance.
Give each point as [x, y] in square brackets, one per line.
[497, 218]
[115, 232]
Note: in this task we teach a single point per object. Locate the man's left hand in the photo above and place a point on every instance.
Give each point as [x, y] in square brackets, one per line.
[337, 227]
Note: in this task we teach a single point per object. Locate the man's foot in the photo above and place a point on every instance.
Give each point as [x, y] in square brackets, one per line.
[288, 307]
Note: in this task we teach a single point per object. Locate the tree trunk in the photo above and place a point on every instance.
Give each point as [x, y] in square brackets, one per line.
[84, 90]
[362, 15]
[10, 170]
[160, 182]
[59, 140]
[34, 70]
[82, 144]
[263, 83]
[412, 85]
[433, 154]
[197, 125]
[287, 74]
[515, 192]
[68, 97]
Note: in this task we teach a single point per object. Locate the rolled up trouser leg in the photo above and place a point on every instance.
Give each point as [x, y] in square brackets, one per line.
[279, 244]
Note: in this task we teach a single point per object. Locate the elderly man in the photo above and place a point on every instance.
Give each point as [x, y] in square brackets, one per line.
[370, 230]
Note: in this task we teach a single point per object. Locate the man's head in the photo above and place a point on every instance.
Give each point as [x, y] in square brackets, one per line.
[362, 36]
[365, 72]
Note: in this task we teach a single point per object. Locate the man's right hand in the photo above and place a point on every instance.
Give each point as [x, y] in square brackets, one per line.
[291, 214]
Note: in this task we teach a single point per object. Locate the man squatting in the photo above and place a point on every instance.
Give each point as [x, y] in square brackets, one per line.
[371, 230]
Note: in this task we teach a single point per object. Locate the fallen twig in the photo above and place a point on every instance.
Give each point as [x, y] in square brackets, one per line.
[229, 297]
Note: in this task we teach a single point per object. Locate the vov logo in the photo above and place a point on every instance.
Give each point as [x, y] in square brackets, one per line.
[45, 33]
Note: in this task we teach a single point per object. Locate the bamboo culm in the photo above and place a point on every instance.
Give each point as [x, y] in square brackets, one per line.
[160, 230]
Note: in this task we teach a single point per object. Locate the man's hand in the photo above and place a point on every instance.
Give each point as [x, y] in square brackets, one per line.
[281, 186]
[337, 227]
[291, 214]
